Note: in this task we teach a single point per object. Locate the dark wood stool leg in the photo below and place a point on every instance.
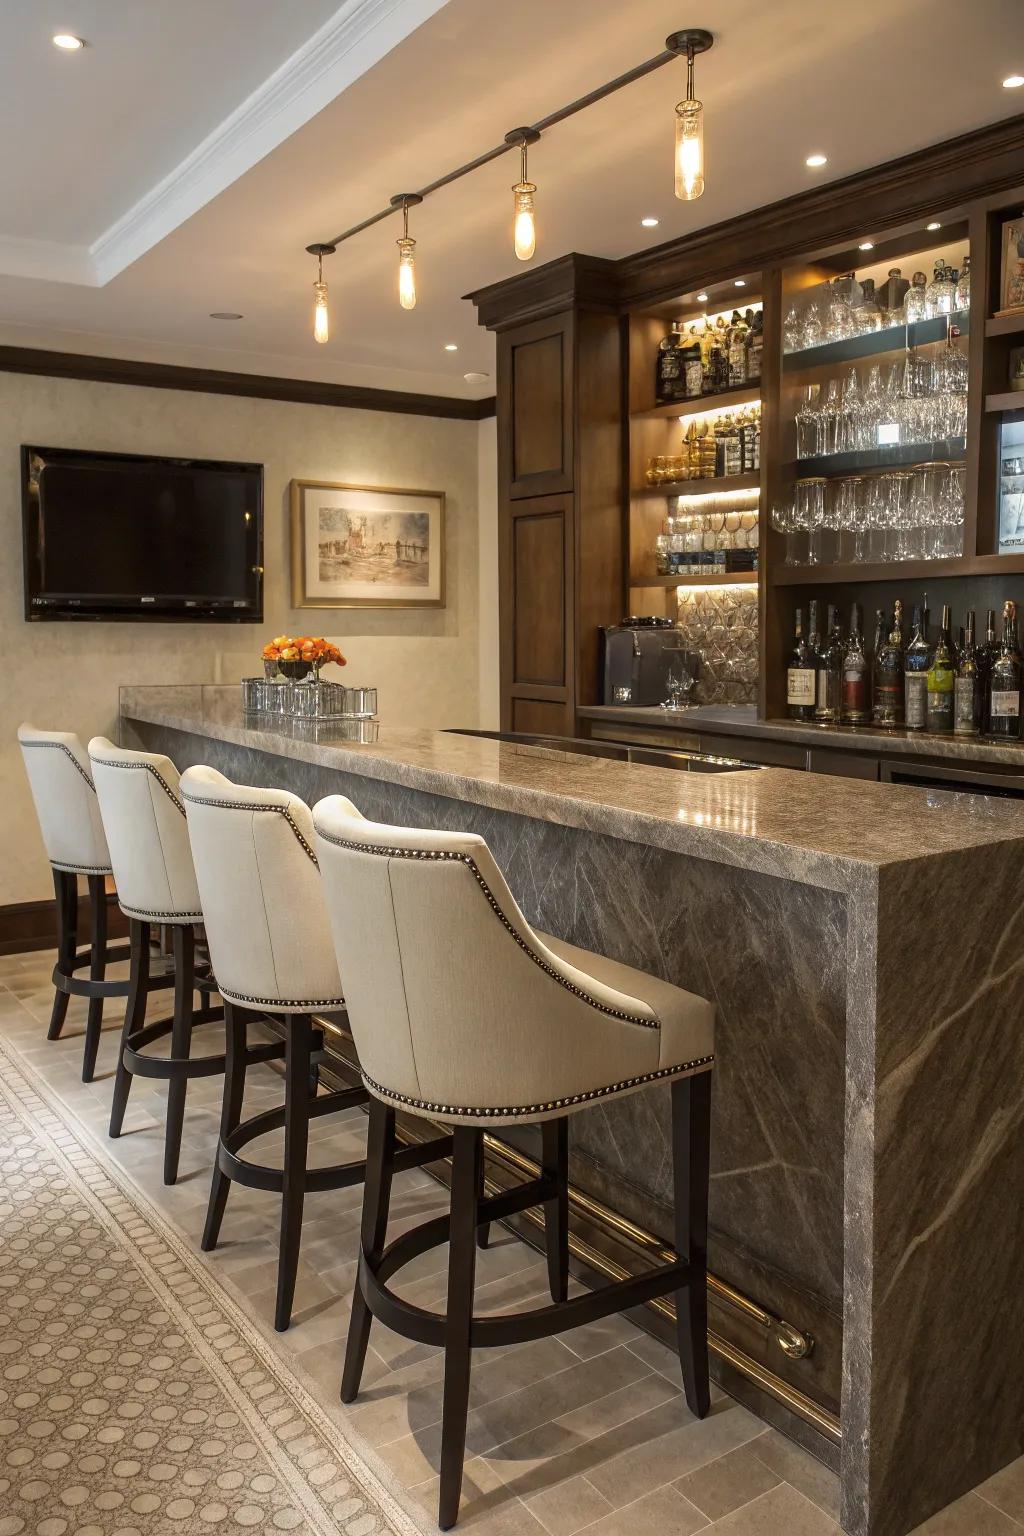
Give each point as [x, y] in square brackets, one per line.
[691, 1168]
[483, 1230]
[65, 889]
[184, 949]
[97, 971]
[555, 1163]
[134, 1018]
[380, 1148]
[298, 1047]
[457, 1353]
[230, 1115]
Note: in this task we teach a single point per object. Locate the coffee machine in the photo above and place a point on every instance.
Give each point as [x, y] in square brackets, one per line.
[645, 662]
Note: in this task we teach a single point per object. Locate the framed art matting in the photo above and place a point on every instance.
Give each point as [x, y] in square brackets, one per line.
[362, 546]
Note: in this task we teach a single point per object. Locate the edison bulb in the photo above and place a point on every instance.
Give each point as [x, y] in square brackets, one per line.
[407, 273]
[321, 329]
[525, 233]
[689, 150]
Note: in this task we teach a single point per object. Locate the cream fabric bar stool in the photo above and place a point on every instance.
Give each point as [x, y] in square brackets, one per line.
[271, 950]
[69, 819]
[144, 821]
[463, 1014]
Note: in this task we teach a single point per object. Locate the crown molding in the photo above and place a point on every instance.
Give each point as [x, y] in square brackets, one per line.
[47, 260]
[587, 281]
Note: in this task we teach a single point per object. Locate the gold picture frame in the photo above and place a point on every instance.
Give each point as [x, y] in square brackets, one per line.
[1011, 274]
[366, 546]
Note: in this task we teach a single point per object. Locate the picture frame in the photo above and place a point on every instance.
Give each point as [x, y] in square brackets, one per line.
[1011, 273]
[366, 546]
[1015, 372]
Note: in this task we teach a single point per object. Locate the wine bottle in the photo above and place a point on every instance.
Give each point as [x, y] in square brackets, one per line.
[966, 688]
[855, 709]
[940, 681]
[1004, 682]
[915, 678]
[800, 675]
[986, 656]
[887, 705]
[829, 686]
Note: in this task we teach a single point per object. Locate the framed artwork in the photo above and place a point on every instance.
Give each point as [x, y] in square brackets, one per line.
[1011, 282]
[365, 546]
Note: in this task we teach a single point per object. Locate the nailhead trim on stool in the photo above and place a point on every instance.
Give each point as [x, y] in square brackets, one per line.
[60, 747]
[284, 1002]
[464, 858]
[146, 768]
[237, 805]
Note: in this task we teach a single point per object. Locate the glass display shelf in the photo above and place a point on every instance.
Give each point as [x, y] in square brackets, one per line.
[950, 450]
[894, 338]
[712, 486]
[713, 579]
[703, 405]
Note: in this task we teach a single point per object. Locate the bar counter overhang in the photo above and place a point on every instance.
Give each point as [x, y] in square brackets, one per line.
[861, 944]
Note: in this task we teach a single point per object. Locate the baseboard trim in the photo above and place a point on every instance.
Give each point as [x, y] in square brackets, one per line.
[26, 926]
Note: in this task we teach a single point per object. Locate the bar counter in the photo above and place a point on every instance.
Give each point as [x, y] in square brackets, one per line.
[861, 943]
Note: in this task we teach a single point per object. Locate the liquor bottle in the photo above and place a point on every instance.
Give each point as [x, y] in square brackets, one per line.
[738, 332]
[887, 707]
[966, 689]
[939, 293]
[962, 296]
[668, 367]
[721, 356]
[986, 656]
[891, 296]
[800, 675]
[828, 688]
[867, 315]
[1004, 682]
[915, 680]
[813, 632]
[855, 708]
[941, 675]
[915, 305]
[692, 366]
[755, 345]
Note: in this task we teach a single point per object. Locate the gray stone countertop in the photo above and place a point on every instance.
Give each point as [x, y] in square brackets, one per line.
[741, 720]
[823, 831]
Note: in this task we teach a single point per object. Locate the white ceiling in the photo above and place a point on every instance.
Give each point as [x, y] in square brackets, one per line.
[181, 163]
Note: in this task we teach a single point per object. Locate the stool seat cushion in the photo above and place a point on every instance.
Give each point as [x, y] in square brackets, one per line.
[687, 1022]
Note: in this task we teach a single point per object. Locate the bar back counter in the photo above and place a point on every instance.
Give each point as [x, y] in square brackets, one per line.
[860, 941]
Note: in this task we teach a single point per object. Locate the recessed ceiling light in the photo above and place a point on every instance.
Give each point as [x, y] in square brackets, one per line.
[68, 41]
[866, 245]
[702, 298]
[740, 282]
[450, 346]
[476, 378]
[1012, 82]
[225, 314]
[933, 225]
[815, 160]
[649, 223]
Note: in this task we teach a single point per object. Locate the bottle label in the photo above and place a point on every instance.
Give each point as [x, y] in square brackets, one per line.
[965, 721]
[800, 685]
[915, 686]
[855, 692]
[1005, 701]
[940, 709]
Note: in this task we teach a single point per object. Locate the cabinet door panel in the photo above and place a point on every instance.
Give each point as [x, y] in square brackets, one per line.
[539, 597]
[535, 411]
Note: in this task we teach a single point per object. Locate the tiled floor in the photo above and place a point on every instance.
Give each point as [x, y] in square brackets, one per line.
[588, 1431]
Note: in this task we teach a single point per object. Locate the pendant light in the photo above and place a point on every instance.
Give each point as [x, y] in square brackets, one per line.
[689, 154]
[321, 324]
[524, 232]
[406, 251]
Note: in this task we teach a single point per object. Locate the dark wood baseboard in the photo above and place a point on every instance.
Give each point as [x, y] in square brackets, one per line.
[32, 925]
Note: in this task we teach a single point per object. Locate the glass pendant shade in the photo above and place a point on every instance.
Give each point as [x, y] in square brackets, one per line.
[689, 150]
[321, 328]
[525, 232]
[407, 272]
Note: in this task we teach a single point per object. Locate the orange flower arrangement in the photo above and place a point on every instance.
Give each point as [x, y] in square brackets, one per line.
[314, 651]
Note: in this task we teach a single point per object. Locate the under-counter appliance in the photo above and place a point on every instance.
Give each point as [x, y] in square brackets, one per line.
[641, 658]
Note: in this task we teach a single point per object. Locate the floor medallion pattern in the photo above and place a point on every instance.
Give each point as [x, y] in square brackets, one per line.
[136, 1398]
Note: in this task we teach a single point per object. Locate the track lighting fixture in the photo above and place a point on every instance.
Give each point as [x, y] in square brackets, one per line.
[321, 326]
[524, 229]
[406, 251]
[689, 175]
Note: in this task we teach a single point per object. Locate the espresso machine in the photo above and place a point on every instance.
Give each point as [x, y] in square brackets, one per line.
[645, 663]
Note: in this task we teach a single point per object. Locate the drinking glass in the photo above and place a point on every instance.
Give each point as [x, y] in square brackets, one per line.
[847, 510]
[814, 328]
[828, 418]
[951, 511]
[783, 520]
[846, 439]
[810, 500]
[807, 422]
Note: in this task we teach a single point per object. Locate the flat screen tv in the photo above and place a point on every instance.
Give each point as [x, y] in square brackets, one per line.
[120, 536]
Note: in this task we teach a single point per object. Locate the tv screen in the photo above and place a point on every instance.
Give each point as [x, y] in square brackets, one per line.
[117, 536]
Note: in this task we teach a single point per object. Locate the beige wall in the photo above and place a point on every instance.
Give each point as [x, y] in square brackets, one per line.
[426, 663]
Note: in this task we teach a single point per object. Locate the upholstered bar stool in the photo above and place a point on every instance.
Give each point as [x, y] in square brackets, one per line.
[271, 951]
[463, 1014]
[144, 821]
[69, 819]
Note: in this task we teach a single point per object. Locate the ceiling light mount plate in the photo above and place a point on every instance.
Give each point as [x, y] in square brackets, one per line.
[406, 200]
[691, 40]
[321, 249]
[522, 136]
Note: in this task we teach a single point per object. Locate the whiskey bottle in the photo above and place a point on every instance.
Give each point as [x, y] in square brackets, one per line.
[668, 367]
[738, 332]
[800, 675]
[855, 707]
[755, 346]
[828, 691]
[915, 305]
[1004, 682]
[887, 705]
[720, 356]
[940, 681]
[986, 656]
[966, 688]
[891, 296]
[692, 366]
[915, 678]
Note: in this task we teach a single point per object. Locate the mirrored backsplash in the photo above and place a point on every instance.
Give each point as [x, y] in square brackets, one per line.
[721, 623]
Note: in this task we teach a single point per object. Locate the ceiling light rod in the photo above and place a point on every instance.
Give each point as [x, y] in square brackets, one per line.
[693, 40]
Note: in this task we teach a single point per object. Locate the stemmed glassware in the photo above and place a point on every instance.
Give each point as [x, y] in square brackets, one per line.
[873, 519]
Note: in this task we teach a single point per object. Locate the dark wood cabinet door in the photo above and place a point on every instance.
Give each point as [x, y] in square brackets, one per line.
[537, 612]
[535, 408]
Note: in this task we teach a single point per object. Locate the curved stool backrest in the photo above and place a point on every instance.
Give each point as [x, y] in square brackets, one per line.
[261, 894]
[456, 1005]
[65, 801]
[144, 820]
